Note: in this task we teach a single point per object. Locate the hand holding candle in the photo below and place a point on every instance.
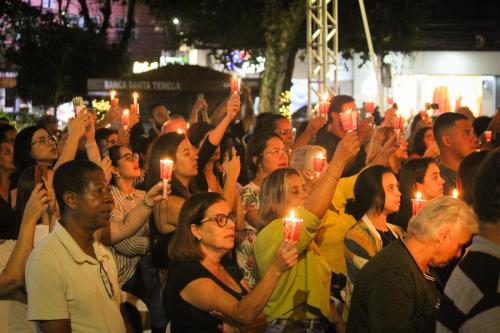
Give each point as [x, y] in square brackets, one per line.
[292, 226]
[166, 168]
[417, 203]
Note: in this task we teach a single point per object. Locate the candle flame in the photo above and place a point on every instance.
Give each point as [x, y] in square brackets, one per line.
[166, 161]
[418, 195]
[135, 95]
[126, 112]
[292, 214]
[112, 93]
[455, 194]
[179, 131]
[320, 156]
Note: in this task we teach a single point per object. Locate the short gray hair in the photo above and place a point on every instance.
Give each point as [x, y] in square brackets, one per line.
[438, 212]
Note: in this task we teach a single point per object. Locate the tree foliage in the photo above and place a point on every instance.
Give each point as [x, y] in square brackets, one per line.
[52, 58]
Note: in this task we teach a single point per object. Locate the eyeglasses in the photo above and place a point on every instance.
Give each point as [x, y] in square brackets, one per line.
[286, 131]
[44, 140]
[221, 219]
[106, 280]
[130, 157]
[278, 152]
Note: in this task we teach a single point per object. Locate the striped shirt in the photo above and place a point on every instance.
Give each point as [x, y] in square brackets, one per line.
[361, 242]
[128, 252]
[471, 301]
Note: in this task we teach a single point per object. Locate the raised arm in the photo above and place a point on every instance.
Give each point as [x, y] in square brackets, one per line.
[12, 278]
[117, 231]
[312, 128]
[76, 129]
[232, 108]
[318, 201]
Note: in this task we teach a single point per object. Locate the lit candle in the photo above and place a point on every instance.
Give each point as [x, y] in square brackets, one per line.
[166, 167]
[135, 107]
[487, 136]
[292, 226]
[318, 162]
[125, 119]
[455, 194]
[179, 131]
[417, 203]
[114, 99]
[324, 105]
[235, 84]
[349, 120]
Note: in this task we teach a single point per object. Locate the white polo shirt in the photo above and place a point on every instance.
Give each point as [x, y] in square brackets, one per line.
[63, 282]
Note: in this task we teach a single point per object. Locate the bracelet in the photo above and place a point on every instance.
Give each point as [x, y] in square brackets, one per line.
[145, 204]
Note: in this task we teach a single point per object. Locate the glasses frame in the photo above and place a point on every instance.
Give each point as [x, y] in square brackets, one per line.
[221, 219]
[106, 280]
[45, 140]
[133, 157]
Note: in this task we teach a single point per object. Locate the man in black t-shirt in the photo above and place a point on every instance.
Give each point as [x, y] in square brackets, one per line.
[329, 135]
[455, 137]
[394, 291]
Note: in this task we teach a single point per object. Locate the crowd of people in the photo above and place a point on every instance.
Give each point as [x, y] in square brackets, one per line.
[396, 227]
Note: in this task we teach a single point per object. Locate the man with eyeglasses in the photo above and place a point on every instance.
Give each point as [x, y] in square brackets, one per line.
[71, 278]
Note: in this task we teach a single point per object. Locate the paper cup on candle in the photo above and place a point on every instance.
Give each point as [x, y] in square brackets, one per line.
[166, 168]
[114, 100]
[417, 203]
[126, 119]
[318, 162]
[487, 136]
[292, 226]
[235, 84]
[349, 120]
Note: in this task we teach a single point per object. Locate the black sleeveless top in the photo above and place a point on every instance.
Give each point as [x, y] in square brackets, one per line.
[184, 317]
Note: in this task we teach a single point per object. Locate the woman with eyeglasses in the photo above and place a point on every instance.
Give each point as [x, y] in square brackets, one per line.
[266, 152]
[301, 300]
[376, 195]
[203, 294]
[35, 146]
[135, 271]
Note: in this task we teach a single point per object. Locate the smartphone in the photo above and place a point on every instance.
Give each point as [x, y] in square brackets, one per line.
[103, 147]
[78, 104]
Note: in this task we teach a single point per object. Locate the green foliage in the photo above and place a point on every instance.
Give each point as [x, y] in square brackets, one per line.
[394, 25]
[54, 60]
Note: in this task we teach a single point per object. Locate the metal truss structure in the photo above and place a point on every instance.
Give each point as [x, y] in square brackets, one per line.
[322, 49]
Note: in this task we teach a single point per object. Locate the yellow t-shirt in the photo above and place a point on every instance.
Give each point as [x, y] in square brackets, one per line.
[303, 292]
[335, 224]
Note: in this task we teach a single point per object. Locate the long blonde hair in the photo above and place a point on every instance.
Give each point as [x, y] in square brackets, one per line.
[272, 197]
